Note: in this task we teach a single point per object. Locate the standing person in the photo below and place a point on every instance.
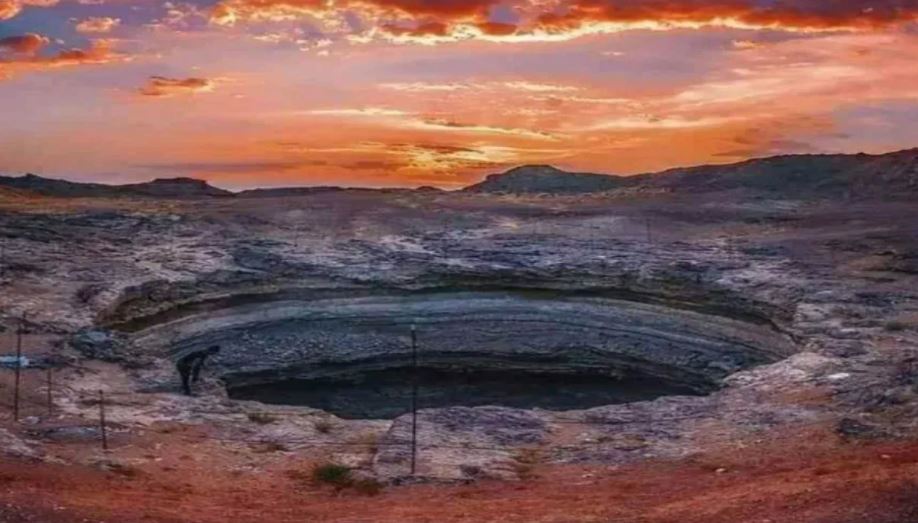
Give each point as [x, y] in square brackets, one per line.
[189, 366]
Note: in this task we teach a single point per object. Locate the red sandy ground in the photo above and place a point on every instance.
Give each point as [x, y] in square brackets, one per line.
[810, 476]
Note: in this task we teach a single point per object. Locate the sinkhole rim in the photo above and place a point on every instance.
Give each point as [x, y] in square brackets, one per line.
[526, 334]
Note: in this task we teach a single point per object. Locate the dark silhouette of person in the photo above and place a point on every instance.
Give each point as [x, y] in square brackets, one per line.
[189, 366]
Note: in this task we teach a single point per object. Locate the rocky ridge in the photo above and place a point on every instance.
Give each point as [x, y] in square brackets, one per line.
[794, 176]
[158, 188]
[847, 176]
[545, 179]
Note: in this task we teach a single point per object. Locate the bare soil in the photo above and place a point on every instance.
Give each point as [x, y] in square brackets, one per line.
[809, 476]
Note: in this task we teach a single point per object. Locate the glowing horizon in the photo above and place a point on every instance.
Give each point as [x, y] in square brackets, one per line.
[261, 93]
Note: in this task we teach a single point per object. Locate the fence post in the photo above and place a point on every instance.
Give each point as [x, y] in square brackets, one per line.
[414, 400]
[48, 387]
[18, 370]
[102, 420]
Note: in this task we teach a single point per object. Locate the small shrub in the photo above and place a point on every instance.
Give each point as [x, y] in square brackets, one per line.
[333, 474]
[262, 418]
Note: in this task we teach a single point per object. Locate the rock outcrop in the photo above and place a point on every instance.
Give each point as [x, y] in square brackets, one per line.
[545, 179]
[821, 176]
[158, 188]
[175, 188]
[792, 176]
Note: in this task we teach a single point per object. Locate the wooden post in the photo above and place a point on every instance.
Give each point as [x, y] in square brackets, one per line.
[18, 370]
[102, 420]
[414, 401]
[48, 390]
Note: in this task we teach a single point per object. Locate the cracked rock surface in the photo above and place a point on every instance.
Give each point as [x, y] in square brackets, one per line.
[759, 314]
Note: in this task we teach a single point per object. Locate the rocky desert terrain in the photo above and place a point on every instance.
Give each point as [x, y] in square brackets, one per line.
[727, 343]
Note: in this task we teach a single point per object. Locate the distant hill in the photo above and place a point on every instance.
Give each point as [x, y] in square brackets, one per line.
[792, 175]
[159, 188]
[52, 187]
[276, 192]
[546, 179]
[797, 175]
[285, 192]
[177, 187]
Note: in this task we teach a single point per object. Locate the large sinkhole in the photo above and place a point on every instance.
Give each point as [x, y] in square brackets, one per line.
[372, 393]
[352, 355]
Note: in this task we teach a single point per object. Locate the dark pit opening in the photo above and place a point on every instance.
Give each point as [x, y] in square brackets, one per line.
[386, 393]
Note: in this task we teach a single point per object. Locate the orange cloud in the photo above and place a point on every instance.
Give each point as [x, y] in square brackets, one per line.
[100, 52]
[11, 8]
[399, 119]
[97, 25]
[160, 86]
[441, 126]
[514, 85]
[801, 15]
[419, 33]
[426, 22]
[228, 12]
[496, 29]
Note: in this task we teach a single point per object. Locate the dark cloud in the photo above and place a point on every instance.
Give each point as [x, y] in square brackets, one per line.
[436, 148]
[496, 28]
[28, 44]
[438, 18]
[804, 14]
[447, 8]
[100, 52]
[426, 29]
[161, 86]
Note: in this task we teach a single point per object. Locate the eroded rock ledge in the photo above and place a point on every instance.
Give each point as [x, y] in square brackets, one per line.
[294, 345]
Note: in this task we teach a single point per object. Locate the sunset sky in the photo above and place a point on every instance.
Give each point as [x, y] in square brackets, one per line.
[440, 92]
